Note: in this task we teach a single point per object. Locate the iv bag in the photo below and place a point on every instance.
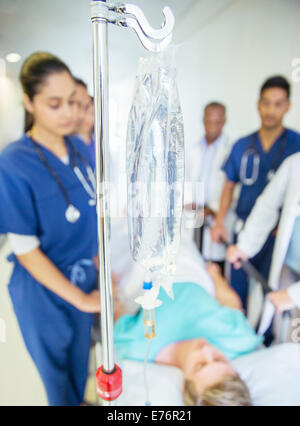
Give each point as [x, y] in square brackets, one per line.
[155, 169]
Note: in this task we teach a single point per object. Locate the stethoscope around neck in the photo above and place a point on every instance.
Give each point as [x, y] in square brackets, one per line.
[72, 214]
[253, 151]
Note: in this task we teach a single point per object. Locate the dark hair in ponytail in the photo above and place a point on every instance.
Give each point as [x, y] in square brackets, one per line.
[35, 70]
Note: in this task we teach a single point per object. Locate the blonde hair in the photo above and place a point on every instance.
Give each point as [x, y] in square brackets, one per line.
[230, 392]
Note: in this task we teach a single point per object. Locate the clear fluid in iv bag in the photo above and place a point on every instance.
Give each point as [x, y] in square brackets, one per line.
[155, 167]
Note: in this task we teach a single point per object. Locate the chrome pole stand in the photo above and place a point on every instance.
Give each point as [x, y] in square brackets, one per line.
[155, 40]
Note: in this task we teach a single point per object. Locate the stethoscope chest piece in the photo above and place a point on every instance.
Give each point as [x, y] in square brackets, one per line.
[252, 151]
[72, 214]
[248, 181]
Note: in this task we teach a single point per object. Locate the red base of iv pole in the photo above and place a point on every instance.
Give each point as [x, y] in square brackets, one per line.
[109, 385]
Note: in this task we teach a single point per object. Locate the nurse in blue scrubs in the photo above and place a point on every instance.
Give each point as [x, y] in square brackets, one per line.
[48, 211]
[252, 162]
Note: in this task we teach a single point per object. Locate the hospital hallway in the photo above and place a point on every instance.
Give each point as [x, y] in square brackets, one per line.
[17, 370]
[149, 203]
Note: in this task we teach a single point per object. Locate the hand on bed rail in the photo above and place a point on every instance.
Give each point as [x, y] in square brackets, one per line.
[218, 233]
[281, 300]
[241, 260]
[235, 255]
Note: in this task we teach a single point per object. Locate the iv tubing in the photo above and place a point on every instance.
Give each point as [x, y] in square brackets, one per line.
[145, 373]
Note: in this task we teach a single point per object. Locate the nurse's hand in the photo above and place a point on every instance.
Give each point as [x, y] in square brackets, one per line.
[90, 303]
[234, 255]
[281, 300]
[218, 233]
[209, 212]
[96, 262]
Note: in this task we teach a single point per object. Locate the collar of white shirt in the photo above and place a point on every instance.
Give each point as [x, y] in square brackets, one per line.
[216, 142]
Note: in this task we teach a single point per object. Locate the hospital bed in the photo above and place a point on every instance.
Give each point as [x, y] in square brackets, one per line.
[272, 375]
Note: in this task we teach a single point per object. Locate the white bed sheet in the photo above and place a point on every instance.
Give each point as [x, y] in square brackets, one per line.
[272, 375]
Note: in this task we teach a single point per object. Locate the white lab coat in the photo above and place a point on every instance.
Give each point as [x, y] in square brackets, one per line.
[221, 149]
[282, 192]
[213, 187]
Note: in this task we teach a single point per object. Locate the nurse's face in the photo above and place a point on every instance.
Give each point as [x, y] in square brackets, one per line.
[213, 120]
[88, 122]
[83, 101]
[272, 107]
[53, 106]
[206, 367]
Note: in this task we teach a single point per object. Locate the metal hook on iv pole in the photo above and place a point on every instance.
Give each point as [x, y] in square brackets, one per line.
[129, 15]
[159, 34]
[148, 44]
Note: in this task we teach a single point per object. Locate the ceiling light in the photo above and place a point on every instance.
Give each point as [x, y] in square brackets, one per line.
[13, 57]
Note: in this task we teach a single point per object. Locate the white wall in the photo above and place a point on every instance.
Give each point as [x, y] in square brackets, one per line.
[11, 111]
[229, 59]
[226, 57]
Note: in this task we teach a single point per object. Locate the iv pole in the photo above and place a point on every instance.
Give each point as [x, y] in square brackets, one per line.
[109, 375]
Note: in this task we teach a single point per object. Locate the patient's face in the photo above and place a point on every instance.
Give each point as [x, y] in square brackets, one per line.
[206, 367]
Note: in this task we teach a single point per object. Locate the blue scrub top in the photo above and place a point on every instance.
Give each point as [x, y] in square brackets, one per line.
[268, 160]
[192, 314]
[33, 204]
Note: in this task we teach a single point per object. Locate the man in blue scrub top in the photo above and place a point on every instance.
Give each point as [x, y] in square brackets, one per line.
[253, 161]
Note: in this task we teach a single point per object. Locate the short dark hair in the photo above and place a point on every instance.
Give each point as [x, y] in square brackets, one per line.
[276, 81]
[80, 82]
[215, 104]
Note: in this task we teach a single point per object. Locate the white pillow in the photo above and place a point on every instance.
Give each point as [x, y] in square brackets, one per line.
[272, 375]
[164, 384]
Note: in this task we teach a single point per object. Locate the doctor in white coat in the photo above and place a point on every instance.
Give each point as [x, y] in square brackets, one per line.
[280, 200]
[206, 159]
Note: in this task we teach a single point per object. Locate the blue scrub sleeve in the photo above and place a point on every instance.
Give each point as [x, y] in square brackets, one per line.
[231, 166]
[17, 207]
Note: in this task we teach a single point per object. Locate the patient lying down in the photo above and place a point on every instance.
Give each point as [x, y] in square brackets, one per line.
[199, 331]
